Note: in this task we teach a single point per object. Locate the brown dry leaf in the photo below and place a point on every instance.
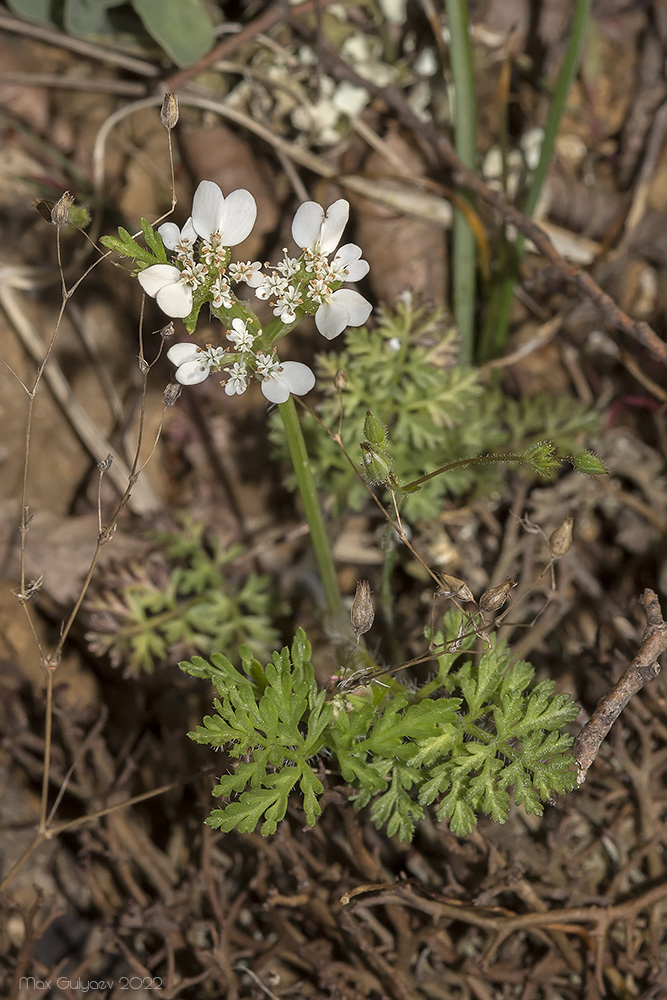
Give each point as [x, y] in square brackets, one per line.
[402, 251]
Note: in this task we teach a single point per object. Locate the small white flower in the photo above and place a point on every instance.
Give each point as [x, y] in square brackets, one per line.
[248, 271]
[222, 293]
[347, 265]
[194, 364]
[231, 218]
[280, 378]
[318, 230]
[287, 305]
[289, 266]
[182, 241]
[169, 287]
[237, 383]
[273, 285]
[344, 308]
[240, 336]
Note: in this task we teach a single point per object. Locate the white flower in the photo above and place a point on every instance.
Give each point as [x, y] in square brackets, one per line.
[345, 307]
[273, 284]
[222, 293]
[182, 241]
[319, 233]
[229, 219]
[280, 378]
[194, 364]
[248, 271]
[318, 230]
[287, 304]
[169, 287]
[240, 336]
[237, 383]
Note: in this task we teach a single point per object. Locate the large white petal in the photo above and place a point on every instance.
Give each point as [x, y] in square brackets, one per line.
[307, 224]
[171, 235]
[239, 214]
[358, 308]
[178, 354]
[192, 372]
[152, 279]
[175, 300]
[297, 377]
[275, 390]
[335, 220]
[207, 209]
[331, 319]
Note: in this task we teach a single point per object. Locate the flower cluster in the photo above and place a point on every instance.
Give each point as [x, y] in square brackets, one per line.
[312, 282]
[279, 379]
[200, 270]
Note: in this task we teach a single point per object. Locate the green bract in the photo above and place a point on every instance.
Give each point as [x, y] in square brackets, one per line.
[464, 742]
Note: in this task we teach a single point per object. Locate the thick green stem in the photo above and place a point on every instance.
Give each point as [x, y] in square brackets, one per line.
[463, 240]
[311, 505]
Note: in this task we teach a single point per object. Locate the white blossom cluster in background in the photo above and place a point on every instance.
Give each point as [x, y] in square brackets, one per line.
[309, 284]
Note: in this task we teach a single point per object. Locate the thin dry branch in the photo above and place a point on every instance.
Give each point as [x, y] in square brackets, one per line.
[643, 668]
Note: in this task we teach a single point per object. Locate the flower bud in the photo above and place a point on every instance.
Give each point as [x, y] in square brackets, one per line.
[375, 432]
[561, 539]
[493, 600]
[340, 380]
[169, 113]
[378, 464]
[362, 613]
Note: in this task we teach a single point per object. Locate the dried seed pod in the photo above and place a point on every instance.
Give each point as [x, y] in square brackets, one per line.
[362, 614]
[493, 600]
[106, 463]
[60, 211]
[340, 380]
[561, 539]
[171, 393]
[169, 112]
[452, 587]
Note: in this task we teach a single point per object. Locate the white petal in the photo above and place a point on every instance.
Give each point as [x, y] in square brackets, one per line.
[207, 209]
[297, 377]
[334, 223]
[180, 353]
[331, 319]
[175, 300]
[192, 372]
[307, 224]
[152, 279]
[239, 214]
[188, 232]
[275, 390]
[358, 308]
[349, 256]
[171, 235]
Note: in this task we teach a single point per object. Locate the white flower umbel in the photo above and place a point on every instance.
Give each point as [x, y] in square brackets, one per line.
[171, 289]
[280, 378]
[240, 336]
[318, 233]
[237, 383]
[194, 364]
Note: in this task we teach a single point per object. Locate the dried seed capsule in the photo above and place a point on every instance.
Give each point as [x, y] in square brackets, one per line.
[171, 393]
[362, 613]
[493, 600]
[452, 587]
[561, 539]
[340, 380]
[169, 112]
[60, 211]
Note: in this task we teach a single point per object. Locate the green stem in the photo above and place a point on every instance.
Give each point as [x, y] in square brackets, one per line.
[463, 264]
[311, 505]
[495, 333]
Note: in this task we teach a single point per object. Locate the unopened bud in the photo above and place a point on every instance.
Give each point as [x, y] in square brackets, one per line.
[169, 111]
[493, 600]
[362, 613]
[561, 539]
[60, 211]
[378, 464]
[375, 432]
[171, 393]
[455, 589]
[340, 380]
